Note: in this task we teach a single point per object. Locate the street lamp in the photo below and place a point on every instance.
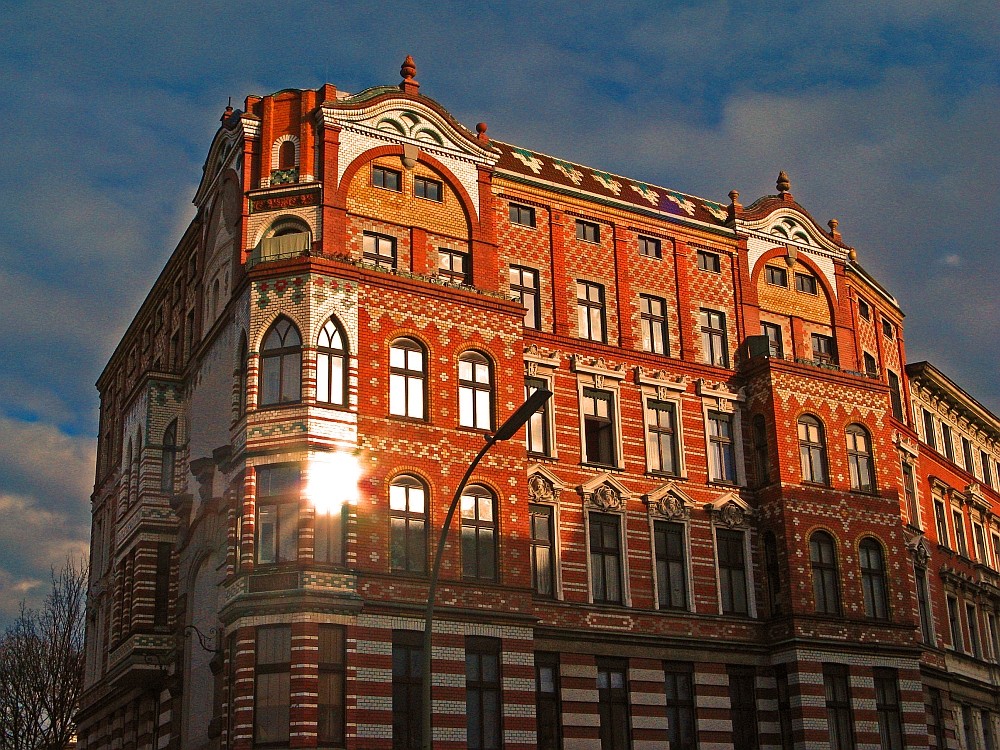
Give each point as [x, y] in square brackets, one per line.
[507, 430]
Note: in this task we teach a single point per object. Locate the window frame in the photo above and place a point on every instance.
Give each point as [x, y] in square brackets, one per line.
[586, 308]
[730, 570]
[376, 257]
[290, 497]
[266, 669]
[646, 242]
[958, 524]
[404, 377]
[588, 231]
[478, 691]
[379, 175]
[613, 705]
[910, 497]
[658, 435]
[518, 210]
[775, 344]
[407, 689]
[776, 276]
[463, 275]
[284, 352]
[941, 522]
[333, 670]
[679, 692]
[813, 461]
[540, 421]
[168, 459]
[327, 356]
[930, 431]
[421, 183]
[548, 709]
[600, 574]
[412, 540]
[924, 610]
[544, 548]
[888, 329]
[889, 709]
[532, 314]
[948, 441]
[975, 636]
[709, 261]
[743, 706]
[859, 458]
[654, 323]
[955, 624]
[839, 708]
[824, 349]
[714, 338]
[722, 449]
[825, 573]
[594, 428]
[672, 586]
[874, 580]
[895, 396]
[486, 567]
[471, 390]
[806, 283]
[864, 309]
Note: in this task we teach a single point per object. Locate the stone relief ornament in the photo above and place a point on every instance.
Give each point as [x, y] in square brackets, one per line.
[732, 515]
[540, 489]
[607, 498]
[671, 506]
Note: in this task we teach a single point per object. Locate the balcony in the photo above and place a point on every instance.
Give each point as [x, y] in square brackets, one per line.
[757, 348]
[281, 247]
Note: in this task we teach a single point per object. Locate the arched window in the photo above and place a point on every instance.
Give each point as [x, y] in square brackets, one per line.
[873, 579]
[408, 524]
[475, 391]
[168, 458]
[407, 377]
[331, 364]
[286, 155]
[859, 459]
[479, 538]
[823, 556]
[281, 364]
[773, 572]
[760, 457]
[241, 403]
[812, 450]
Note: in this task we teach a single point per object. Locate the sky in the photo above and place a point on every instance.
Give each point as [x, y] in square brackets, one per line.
[885, 116]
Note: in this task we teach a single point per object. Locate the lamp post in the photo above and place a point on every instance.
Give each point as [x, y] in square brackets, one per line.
[507, 430]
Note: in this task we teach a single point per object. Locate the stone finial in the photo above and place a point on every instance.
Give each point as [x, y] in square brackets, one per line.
[227, 114]
[481, 132]
[852, 254]
[408, 70]
[833, 229]
[783, 184]
[734, 207]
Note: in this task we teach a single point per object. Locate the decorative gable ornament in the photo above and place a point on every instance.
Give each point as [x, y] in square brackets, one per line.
[669, 501]
[730, 510]
[605, 493]
[543, 485]
[920, 548]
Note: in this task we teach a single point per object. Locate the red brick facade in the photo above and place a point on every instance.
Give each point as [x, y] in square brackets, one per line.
[710, 537]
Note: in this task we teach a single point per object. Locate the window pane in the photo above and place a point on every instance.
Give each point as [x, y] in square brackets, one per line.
[415, 405]
[322, 376]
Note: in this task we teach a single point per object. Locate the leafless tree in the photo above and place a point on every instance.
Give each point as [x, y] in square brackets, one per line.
[41, 667]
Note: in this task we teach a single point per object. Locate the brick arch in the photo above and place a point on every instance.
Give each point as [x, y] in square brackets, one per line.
[255, 348]
[464, 199]
[781, 252]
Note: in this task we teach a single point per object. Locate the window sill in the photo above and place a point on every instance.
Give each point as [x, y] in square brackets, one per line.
[725, 483]
[280, 405]
[605, 467]
[411, 420]
[474, 430]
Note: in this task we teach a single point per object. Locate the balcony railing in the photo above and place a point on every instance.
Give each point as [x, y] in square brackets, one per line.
[757, 347]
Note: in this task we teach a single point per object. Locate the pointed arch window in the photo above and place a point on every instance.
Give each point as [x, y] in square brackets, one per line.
[331, 364]
[168, 458]
[475, 391]
[812, 450]
[873, 583]
[281, 364]
[859, 458]
[826, 590]
[407, 379]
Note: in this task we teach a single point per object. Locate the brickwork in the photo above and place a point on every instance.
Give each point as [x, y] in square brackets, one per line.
[683, 544]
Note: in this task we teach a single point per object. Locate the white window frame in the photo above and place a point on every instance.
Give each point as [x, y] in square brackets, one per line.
[719, 398]
[721, 518]
[659, 387]
[591, 504]
[542, 367]
[601, 377]
[539, 495]
[670, 504]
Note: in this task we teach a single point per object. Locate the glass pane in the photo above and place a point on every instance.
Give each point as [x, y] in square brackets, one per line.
[415, 360]
[468, 506]
[269, 380]
[485, 503]
[266, 526]
[415, 405]
[466, 416]
[397, 394]
[487, 554]
[416, 499]
[291, 379]
[483, 410]
[288, 526]
[397, 357]
[464, 369]
[322, 377]
[397, 497]
[337, 395]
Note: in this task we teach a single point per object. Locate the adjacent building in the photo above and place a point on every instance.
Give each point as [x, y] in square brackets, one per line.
[742, 520]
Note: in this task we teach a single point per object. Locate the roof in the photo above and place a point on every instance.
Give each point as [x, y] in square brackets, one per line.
[933, 379]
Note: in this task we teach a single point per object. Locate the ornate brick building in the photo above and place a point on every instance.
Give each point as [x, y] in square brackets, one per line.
[741, 521]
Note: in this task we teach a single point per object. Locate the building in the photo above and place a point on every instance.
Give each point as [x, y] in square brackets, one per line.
[742, 521]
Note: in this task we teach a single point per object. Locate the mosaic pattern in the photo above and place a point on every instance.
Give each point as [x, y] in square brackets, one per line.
[608, 182]
[297, 286]
[529, 160]
[574, 174]
[287, 428]
[159, 392]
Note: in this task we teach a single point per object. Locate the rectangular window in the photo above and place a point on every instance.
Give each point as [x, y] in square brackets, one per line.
[743, 707]
[972, 617]
[941, 523]
[649, 247]
[887, 329]
[407, 701]
[896, 396]
[679, 689]
[708, 261]
[548, 706]
[958, 521]
[590, 310]
[524, 288]
[947, 441]
[784, 706]
[805, 283]
[910, 494]
[453, 266]
[823, 349]
[732, 572]
[389, 179]
[523, 215]
[330, 723]
[161, 590]
[542, 549]
[996, 550]
[775, 346]
[924, 606]
[278, 513]
[840, 717]
[612, 700]
[776, 275]
[984, 460]
[889, 709]
[969, 728]
[713, 338]
[979, 537]
[424, 187]
[937, 716]
[605, 558]
[987, 724]
[599, 427]
[970, 465]
[328, 537]
[930, 436]
[993, 635]
[587, 231]
[537, 433]
[864, 309]
[272, 684]
[671, 565]
[483, 708]
[870, 365]
[662, 444]
[379, 250]
[955, 625]
[653, 312]
[721, 448]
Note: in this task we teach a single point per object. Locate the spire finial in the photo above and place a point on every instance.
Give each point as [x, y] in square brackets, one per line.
[783, 184]
[481, 132]
[408, 70]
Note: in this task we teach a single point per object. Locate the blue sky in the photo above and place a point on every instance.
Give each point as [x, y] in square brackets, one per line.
[884, 117]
